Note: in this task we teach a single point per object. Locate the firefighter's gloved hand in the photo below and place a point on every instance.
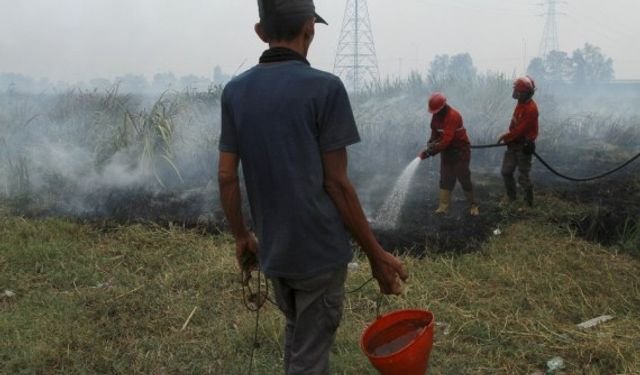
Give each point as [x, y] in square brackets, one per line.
[502, 137]
[430, 151]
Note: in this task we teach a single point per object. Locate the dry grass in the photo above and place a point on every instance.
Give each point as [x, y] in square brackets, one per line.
[114, 300]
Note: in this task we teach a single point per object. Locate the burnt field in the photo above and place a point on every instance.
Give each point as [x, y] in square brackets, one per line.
[611, 210]
[606, 211]
[117, 158]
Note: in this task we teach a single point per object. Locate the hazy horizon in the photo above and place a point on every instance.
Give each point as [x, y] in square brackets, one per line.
[74, 40]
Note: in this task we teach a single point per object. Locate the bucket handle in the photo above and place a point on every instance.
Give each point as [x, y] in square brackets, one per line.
[379, 301]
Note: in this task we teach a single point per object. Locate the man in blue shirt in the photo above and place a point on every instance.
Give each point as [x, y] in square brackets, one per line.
[289, 125]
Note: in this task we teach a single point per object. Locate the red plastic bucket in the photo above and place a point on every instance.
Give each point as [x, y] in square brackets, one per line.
[399, 343]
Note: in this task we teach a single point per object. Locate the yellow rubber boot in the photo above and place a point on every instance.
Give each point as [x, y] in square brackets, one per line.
[474, 210]
[445, 201]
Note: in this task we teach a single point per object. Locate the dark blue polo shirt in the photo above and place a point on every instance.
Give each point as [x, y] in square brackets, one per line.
[279, 118]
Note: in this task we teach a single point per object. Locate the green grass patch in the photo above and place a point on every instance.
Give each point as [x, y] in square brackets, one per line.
[95, 300]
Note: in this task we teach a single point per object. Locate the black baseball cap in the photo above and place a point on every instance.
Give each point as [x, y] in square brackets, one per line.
[274, 9]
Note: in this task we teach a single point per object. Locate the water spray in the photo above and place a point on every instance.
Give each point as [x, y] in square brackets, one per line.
[390, 212]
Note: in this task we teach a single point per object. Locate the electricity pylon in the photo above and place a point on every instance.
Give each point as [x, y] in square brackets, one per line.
[356, 61]
[550, 41]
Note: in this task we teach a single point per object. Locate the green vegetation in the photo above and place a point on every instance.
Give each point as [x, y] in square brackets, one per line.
[115, 299]
[56, 149]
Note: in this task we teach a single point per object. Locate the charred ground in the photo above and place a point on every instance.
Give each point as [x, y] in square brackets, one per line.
[605, 211]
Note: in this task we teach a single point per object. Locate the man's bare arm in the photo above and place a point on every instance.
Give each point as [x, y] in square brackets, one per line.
[385, 267]
[230, 198]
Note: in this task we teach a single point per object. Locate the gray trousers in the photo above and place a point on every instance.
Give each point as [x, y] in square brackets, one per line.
[313, 310]
[514, 158]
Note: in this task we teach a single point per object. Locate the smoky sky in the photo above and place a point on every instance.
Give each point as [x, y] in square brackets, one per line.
[82, 39]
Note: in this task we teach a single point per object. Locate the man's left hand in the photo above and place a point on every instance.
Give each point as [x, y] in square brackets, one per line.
[247, 255]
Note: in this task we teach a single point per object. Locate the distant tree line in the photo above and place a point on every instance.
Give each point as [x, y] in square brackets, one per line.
[445, 68]
[135, 83]
[585, 65]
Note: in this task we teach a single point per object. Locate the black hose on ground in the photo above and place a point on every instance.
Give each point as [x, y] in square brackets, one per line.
[552, 170]
[585, 179]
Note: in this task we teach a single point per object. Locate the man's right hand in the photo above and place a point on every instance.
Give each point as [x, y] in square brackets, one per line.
[423, 155]
[388, 271]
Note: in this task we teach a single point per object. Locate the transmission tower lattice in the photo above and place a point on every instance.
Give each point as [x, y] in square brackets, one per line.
[549, 41]
[356, 61]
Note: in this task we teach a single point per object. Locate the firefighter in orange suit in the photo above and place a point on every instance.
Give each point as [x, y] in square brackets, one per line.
[449, 137]
[520, 140]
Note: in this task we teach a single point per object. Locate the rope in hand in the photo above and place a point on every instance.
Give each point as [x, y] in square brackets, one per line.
[254, 302]
[555, 172]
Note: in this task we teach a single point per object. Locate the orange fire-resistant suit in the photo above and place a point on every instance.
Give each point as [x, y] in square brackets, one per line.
[523, 129]
[449, 137]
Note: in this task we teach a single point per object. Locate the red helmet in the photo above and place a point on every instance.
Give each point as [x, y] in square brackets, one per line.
[524, 84]
[437, 101]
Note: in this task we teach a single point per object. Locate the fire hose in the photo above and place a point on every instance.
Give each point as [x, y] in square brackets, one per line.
[561, 175]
